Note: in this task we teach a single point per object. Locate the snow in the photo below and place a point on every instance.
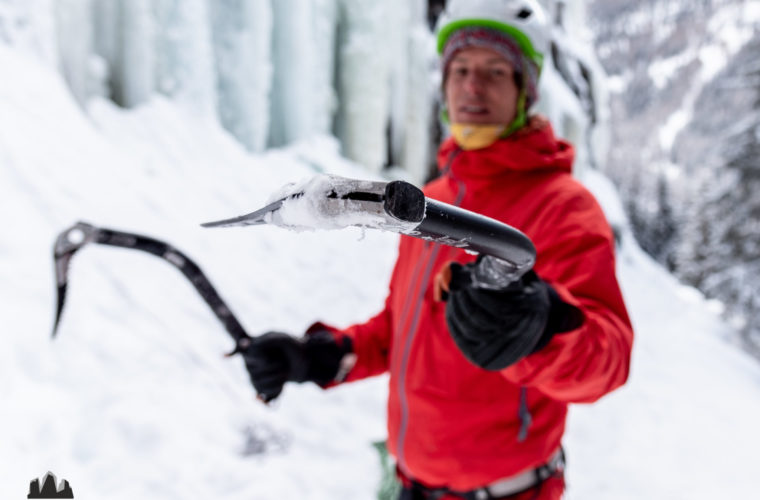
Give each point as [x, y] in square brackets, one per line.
[31, 27]
[134, 398]
[677, 121]
[730, 29]
[684, 426]
[698, 457]
[618, 83]
[605, 192]
[321, 202]
[138, 432]
[663, 70]
[565, 111]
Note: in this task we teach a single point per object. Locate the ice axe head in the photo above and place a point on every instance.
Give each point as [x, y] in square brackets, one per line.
[66, 245]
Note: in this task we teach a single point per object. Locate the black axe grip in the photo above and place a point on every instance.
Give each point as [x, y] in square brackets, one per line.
[449, 225]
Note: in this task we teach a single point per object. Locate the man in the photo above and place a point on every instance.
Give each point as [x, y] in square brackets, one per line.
[480, 379]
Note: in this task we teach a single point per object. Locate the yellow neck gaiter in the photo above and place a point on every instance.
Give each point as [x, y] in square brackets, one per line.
[476, 136]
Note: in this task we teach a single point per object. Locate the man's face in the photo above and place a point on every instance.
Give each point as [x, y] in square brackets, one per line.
[480, 88]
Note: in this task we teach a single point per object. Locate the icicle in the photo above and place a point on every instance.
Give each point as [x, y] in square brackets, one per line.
[363, 81]
[242, 33]
[134, 61]
[292, 91]
[184, 60]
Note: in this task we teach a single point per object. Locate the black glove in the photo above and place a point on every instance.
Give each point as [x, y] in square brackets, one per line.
[496, 328]
[275, 358]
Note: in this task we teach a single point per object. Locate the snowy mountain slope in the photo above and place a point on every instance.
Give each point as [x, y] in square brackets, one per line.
[684, 426]
[134, 399]
[685, 122]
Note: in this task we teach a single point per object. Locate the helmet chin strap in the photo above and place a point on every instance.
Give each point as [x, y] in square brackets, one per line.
[521, 118]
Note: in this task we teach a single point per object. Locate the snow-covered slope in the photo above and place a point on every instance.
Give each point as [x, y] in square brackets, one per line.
[686, 132]
[134, 399]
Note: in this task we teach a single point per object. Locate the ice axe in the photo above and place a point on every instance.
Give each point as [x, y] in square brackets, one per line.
[331, 202]
[328, 202]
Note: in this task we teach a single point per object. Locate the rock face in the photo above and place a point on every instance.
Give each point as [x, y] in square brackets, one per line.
[686, 139]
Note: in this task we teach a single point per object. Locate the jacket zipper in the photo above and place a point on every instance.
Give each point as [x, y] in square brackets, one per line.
[410, 333]
[524, 415]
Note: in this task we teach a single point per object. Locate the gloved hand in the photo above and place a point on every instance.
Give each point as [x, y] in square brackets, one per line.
[275, 358]
[496, 328]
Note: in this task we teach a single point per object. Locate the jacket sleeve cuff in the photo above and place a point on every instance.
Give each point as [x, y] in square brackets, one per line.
[564, 315]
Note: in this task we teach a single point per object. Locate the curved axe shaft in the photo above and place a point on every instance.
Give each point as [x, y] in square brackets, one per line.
[81, 234]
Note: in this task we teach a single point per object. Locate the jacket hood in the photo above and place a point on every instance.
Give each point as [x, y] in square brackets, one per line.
[534, 147]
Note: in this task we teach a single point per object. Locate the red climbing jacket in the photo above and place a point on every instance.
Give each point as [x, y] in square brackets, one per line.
[451, 423]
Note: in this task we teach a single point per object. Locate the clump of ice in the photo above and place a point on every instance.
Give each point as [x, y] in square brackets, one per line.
[300, 207]
[319, 203]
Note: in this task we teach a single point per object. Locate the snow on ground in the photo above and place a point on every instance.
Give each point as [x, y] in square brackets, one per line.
[134, 399]
[685, 425]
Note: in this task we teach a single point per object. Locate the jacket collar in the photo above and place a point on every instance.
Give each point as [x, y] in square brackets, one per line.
[532, 148]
